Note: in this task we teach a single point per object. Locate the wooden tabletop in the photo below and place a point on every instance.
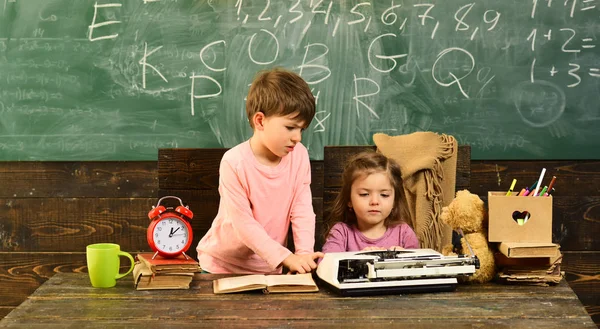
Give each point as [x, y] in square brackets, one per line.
[67, 300]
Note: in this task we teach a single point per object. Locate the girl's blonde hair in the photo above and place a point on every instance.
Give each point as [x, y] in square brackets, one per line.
[367, 163]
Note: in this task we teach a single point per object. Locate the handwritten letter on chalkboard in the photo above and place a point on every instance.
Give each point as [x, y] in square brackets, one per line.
[118, 79]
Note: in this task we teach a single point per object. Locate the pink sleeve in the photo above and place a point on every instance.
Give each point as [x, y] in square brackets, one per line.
[302, 214]
[408, 237]
[248, 230]
[336, 241]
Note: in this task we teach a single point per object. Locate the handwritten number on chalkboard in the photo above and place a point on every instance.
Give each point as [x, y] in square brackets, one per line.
[353, 11]
[461, 25]
[533, 8]
[426, 14]
[572, 72]
[532, 36]
[569, 40]
[572, 6]
[385, 16]
[326, 13]
[260, 17]
[293, 10]
[493, 21]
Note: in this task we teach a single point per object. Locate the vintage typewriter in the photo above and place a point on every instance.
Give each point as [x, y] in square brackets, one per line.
[388, 272]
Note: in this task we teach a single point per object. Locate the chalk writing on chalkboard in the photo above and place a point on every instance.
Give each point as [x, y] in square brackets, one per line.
[116, 79]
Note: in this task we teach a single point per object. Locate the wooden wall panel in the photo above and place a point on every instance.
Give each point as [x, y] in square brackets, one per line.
[70, 224]
[198, 169]
[117, 179]
[582, 272]
[574, 177]
[49, 211]
[335, 157]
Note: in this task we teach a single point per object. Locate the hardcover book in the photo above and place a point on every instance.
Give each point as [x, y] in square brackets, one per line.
[276, 283]
[528, 250]
[145, 279]
[168, 265]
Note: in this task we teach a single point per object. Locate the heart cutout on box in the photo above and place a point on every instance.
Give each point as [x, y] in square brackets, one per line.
[521, 217]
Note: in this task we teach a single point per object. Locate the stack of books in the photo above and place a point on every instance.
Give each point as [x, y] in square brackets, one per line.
[163, 273]
[529, 263]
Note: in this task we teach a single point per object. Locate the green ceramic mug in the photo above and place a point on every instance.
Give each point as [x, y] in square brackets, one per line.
[103, 264]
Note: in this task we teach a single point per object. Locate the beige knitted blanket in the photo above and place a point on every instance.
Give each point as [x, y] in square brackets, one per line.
[428, 163]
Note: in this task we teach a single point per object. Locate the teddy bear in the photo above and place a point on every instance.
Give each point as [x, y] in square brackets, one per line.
[467, 213]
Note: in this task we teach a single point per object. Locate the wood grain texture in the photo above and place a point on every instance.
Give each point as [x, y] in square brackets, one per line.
[583, 274]
[335, 159]
[189, 169]
[70, 224]
[52, 210]
[67, 300]
[198, 169]
[574, 177]
[117, 179]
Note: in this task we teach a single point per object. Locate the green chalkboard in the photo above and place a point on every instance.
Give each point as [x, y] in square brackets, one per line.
[118, 79]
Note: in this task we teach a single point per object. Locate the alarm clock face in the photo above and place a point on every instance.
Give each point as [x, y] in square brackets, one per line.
[170, 235]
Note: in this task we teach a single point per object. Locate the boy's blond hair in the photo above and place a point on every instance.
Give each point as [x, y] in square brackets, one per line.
[280, 92]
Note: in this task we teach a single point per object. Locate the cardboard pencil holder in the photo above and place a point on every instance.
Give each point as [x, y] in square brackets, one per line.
[519, 218]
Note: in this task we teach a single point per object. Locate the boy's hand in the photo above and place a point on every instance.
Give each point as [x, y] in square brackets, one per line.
[301, 264]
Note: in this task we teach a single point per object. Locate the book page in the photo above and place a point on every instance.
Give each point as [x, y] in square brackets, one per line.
[239, 283]
[290, 280]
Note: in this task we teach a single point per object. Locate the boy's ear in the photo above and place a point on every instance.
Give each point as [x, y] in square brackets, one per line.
[258, 120]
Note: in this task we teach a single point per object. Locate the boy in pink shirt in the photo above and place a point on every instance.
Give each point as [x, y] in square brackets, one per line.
[264, 184]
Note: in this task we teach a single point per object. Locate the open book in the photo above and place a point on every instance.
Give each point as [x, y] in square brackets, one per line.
[276, 283]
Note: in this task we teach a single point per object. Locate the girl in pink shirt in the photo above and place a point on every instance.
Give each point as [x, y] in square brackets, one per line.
[264, 184]
[368, 212]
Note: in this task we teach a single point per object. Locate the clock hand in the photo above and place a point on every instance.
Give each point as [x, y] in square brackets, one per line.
[173, 232]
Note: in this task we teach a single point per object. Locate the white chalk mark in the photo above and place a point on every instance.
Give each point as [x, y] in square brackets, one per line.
[337, 24]
[306, 28]
[392, 58]
[434, 28]
[144, 63]
[455, 80]
[250, 46]
[94, 25]
[277, 21]
[474, 32]
[202, 57]
[357, 97]
[531, 77]
[320, 121]
[194, 77]
[309, 64]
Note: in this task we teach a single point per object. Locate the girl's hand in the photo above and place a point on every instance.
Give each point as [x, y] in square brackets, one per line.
[373, 248]
[394, 248]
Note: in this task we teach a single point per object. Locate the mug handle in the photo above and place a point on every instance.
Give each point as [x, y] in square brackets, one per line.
[122, 253]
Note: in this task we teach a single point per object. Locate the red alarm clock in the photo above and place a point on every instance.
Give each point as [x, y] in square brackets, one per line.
[170, 232]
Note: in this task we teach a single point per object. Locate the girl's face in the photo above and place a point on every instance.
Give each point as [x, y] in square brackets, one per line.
[372, 198]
